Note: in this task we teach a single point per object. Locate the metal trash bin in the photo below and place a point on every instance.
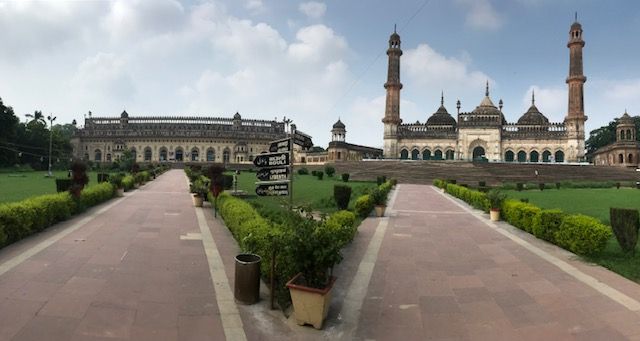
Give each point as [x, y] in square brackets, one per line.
[246, 288]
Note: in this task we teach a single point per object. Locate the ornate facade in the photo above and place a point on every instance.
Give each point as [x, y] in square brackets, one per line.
[625, 151]
[484, 132]
[175, 139]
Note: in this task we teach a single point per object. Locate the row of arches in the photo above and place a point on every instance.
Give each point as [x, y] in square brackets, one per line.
[163, 155]
[427, 154]
[625, 135]
[621, 158]
[534, 156]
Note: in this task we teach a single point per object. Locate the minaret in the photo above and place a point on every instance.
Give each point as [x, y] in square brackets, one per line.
[391, 118]
[575, 115]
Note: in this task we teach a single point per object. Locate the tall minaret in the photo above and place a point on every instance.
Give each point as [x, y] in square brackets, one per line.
[391, 118]
[575, 115]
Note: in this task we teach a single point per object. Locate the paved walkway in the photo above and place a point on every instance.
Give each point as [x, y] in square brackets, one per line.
[142, 267]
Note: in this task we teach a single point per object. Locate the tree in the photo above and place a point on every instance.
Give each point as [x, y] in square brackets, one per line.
[606, 135]
[8, 126]
[37, 118]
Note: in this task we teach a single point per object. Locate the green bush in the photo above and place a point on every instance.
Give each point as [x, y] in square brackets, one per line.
[546, 224]
[519, 186]
[342, 195]
[303, 171]
[96, 194]
[582, 234]
[624, 223]
[116, 180]
[345, 177]
[63, 185]
[330, 170]
[474, 198]
[103, 177]
[320, 175]
[381, 179]
[343, 225]
[520, 214]
[128, 182]
[439, 183]
[363, 206]
[541, 186]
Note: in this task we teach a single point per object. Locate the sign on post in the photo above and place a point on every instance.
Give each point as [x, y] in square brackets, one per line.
[272, 189]
[302, 139]
[271, 160]
[280, 146]
[273, 174]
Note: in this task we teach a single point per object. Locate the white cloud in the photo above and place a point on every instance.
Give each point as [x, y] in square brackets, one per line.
[551, 101]
[254, 6]
[103, 78]
[481, 14]
[317, 43]
[313, 9]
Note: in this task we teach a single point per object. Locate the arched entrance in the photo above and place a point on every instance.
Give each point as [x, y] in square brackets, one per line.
[509, 156]
[163, 154]
[546, 156]
[449, 154]
[404, 154]
[414, 154]
[533, 157]
[179, 154]
[426, 154]
[522, 156]
[438, 154]
[478, 153]
[559, 156]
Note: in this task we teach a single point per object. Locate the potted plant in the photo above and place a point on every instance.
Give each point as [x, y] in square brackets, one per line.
[496, 198]
[116, 181]
[317, 249]
[200, 189]
[379, 198]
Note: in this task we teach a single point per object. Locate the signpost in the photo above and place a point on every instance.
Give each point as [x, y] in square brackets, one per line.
[272, 188]
[273, 174]
[302, 139]
[280, 146]
[270, 160]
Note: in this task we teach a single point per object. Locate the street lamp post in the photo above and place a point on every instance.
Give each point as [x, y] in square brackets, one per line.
[51, 118]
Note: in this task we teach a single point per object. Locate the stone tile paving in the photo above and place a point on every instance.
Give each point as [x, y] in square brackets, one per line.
[442, 274]
[125, 275]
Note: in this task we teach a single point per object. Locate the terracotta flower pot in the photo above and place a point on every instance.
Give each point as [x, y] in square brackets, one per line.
[494, 214]
[380, 210]
[120, 192]
[197, 200]
[310, 305]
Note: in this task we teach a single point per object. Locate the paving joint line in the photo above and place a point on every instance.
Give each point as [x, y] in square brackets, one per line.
[569, 269]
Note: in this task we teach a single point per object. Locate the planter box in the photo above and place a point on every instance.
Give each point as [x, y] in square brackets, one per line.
[197, 200]
[120, 192]
[310, 305]
[494, 214]
[380, 210]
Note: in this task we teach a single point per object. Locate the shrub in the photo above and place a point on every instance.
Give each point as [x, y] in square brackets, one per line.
[128, 182]
[482, 183]
[363, 205]
[393, 182]
[519, 214]
[343, 225]
[342, 195]
[103, 177]
[541, 186]
[617, 185]
[440, 183]
[303, 171]
[79, 178]
[96, 194]
[474, 198]
[495, 197]
[314, 172]
[451, 181]
[330, 170]
[63, 185]
[320, 175]
[524, 199]
[345, 177]
[546, 224]
[116, 180]
[519, 186]
[557, 185]
[381, 179]
[624, 223]
[582, 234]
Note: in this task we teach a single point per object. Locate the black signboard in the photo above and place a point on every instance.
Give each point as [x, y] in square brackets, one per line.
[280, 146]
[302, 139]
[273, 174]
[273, 189]
[271, 160]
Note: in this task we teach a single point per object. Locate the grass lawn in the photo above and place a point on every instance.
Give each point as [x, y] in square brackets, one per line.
[22, 185]
[596, 203]
[308, 191]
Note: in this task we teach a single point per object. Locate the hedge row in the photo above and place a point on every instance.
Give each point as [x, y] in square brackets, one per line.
[577, 233]
[258, 235]
[365, 203]
[23, 218]
[474, 198]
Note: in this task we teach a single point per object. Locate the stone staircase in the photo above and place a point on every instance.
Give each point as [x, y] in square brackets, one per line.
[424, 172]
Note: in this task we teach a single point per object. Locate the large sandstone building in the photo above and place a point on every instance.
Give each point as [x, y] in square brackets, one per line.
[175, 139]
[484, 132]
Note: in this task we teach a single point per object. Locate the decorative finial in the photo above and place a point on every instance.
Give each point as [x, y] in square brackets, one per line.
[442, 98]
[394, 27]
[486, 93]
[458, 105]
[576, 16]
[533, 97]
[500, 104]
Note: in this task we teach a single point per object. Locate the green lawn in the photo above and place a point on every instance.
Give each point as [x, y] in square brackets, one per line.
[18, 186]
[596, 203]
[308, 191]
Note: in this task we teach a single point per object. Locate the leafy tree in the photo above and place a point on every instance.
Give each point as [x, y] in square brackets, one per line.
[606, 135]
[8, 126]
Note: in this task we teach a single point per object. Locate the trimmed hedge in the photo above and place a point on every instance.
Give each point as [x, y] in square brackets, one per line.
[345, 177]
[474, 198]
[363, 205]
[582, 234]
[23, 218]
[624, 223]
[342, 195]
[128, 182]
[520, 214]
[546, 224]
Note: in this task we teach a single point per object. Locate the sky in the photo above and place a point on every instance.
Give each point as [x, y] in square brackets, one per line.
[313, 61]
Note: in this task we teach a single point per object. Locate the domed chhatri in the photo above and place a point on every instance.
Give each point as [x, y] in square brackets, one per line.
[339, 125]
[484, 133]
[441, 117]
[533, 116]
[124, 114]
[237, 116]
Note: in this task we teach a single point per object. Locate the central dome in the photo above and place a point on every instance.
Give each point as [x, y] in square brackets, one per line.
[441, 118]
